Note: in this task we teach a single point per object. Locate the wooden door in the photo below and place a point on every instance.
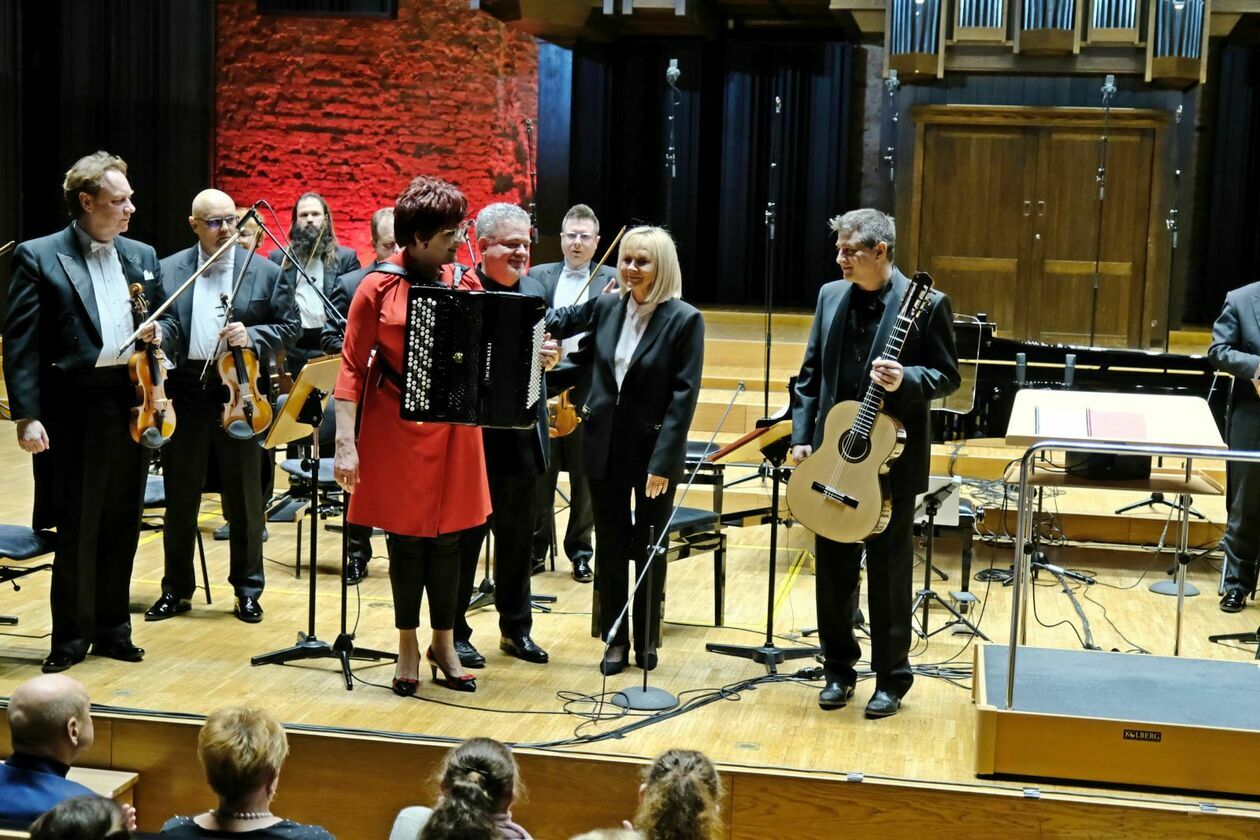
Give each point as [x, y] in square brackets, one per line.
[1070, 258]
[976, 218]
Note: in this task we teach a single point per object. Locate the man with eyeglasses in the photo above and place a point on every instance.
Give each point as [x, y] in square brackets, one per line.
[851, 325]
[515, 459]
[565, 284]
[71, 397]
[264, 319]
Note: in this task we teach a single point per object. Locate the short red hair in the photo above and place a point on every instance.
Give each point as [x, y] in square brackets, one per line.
[427, 205]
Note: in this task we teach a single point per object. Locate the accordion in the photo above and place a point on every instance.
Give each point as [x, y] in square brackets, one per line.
[471, 358]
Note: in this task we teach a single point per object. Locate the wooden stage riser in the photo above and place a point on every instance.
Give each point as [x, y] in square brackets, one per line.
[355, 785]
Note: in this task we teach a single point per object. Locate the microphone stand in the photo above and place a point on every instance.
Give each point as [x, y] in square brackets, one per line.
[533, 180]
[893, 85]
[671, 168]
[7, 247]
[771, 219]
[1108, 91]
[330, 310]
[651, 698]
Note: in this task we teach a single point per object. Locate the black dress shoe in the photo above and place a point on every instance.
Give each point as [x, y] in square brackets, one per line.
[523, 647]
[223, 532]
[582, 571]
[1234, 601]
[645, 660]
[58, 661]
[122, 651]
[248, 609]
[167, 606]
[538, 566]
[883, 704]
[614, 661]
[469, 656]
[835, 695]
[356, 570]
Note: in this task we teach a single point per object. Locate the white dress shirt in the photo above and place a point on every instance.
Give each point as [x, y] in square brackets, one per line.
[113, 299]
[632, 329]
[310, 304]
[569, 284]
[207, 306]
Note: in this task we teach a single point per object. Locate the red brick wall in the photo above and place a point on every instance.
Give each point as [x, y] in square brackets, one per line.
[354, 108]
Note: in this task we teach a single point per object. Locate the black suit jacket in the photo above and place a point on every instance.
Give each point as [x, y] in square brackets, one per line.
[1236, 350]
[264, 303]
[549, 275]
[344, 287]
[347, 261]
[646, 432]
[518, 452]
[52, 322]
[928, 357]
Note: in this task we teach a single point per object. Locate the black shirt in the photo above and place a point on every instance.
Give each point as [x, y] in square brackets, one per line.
[862, 323]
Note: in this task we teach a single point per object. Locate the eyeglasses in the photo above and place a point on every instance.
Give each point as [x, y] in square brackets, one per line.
[460, 231]
[584, 238]
[218, 222]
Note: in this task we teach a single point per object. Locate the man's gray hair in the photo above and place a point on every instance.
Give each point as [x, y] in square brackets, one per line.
[871, 226]
[492, 216]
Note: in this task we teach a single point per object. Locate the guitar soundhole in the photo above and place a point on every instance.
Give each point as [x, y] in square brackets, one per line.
[854, 447]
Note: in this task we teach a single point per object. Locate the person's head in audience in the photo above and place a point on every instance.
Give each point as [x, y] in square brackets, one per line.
[50, 716]
[680, 798]
[82, 818]
[242, 751]
[479, 781]
[609, 834]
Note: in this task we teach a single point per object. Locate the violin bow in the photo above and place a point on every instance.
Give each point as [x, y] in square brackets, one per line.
[599, 264]
[7, 247]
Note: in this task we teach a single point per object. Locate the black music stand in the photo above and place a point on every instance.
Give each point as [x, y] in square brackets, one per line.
[300, 417]
[926, 596]
[773, 442]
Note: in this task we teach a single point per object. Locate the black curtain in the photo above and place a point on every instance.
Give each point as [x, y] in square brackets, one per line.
[725, 129]
[1232, 257]
[133, 77]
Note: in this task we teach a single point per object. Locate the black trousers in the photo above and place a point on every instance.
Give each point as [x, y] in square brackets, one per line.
[198, 431]
[1242, 528]
[626, 522]
[420, 564]
[513, 499]
[566, 456]
[889, 573]
[97, 475]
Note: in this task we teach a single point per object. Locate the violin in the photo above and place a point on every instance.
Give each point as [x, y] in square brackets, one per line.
[246, 413]
[153, 420]
[562, 416]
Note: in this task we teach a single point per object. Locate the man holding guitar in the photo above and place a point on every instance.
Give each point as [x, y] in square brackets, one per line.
[863, 349]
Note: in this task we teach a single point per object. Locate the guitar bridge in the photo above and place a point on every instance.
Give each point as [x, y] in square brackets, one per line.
[835, 495]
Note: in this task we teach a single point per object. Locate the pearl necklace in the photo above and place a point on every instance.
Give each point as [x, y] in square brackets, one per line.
[240, 815]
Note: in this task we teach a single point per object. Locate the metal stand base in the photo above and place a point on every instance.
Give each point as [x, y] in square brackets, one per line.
[927, 596]
[641, 699]
[1169, 587]
[484, 597]
[309, 647]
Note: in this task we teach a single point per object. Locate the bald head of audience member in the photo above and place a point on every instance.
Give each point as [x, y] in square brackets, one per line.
[50, 716]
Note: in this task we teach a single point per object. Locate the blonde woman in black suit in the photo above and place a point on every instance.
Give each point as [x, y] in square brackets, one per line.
[645, 350]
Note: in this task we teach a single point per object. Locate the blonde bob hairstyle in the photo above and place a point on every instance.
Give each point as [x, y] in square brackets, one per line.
[241, 749]
[660, 245]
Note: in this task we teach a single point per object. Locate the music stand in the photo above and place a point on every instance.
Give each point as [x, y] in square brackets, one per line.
[771, 443]
[301, 416]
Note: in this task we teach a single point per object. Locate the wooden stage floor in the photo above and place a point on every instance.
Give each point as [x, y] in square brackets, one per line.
[200, 661]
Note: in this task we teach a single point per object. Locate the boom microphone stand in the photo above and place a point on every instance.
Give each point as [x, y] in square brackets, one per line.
[1108, 91]
[771, 220]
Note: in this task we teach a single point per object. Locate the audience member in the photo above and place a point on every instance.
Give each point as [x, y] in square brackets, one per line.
[680, 798]
[83, 818]
[242, 751]
[50, 724]
[609, 834]
[478, 782]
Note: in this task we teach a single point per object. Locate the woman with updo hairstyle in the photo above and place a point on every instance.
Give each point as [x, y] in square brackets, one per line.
[242, 751]
[680, 799]
[478, 781]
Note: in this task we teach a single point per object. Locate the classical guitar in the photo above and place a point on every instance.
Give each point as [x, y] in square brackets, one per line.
[841, 491]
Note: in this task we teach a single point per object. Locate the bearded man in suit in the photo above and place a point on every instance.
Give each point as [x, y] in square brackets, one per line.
[263, 319]
[69, 315]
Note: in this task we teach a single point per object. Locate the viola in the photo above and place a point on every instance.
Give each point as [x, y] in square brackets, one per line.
[247, 412]
[153, 420]
[562, 416]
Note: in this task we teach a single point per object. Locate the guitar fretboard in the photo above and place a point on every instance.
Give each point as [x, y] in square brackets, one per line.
[873, 398]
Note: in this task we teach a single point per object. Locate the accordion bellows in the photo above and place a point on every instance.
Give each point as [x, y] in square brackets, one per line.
[471, 358]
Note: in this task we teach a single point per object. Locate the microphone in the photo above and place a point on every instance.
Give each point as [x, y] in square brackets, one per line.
[672, 74]
[1069, 370]
[1108, 87]
[1021, 369]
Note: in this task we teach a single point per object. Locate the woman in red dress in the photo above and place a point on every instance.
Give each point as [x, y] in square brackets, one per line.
[421, 483]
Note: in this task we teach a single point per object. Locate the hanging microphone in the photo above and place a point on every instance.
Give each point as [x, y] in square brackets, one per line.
[1069, 370]
[672, 74]
[1109, 87]
[1021, 369]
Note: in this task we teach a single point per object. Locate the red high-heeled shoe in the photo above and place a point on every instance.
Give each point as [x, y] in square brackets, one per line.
[404, 686]
[465, 683]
